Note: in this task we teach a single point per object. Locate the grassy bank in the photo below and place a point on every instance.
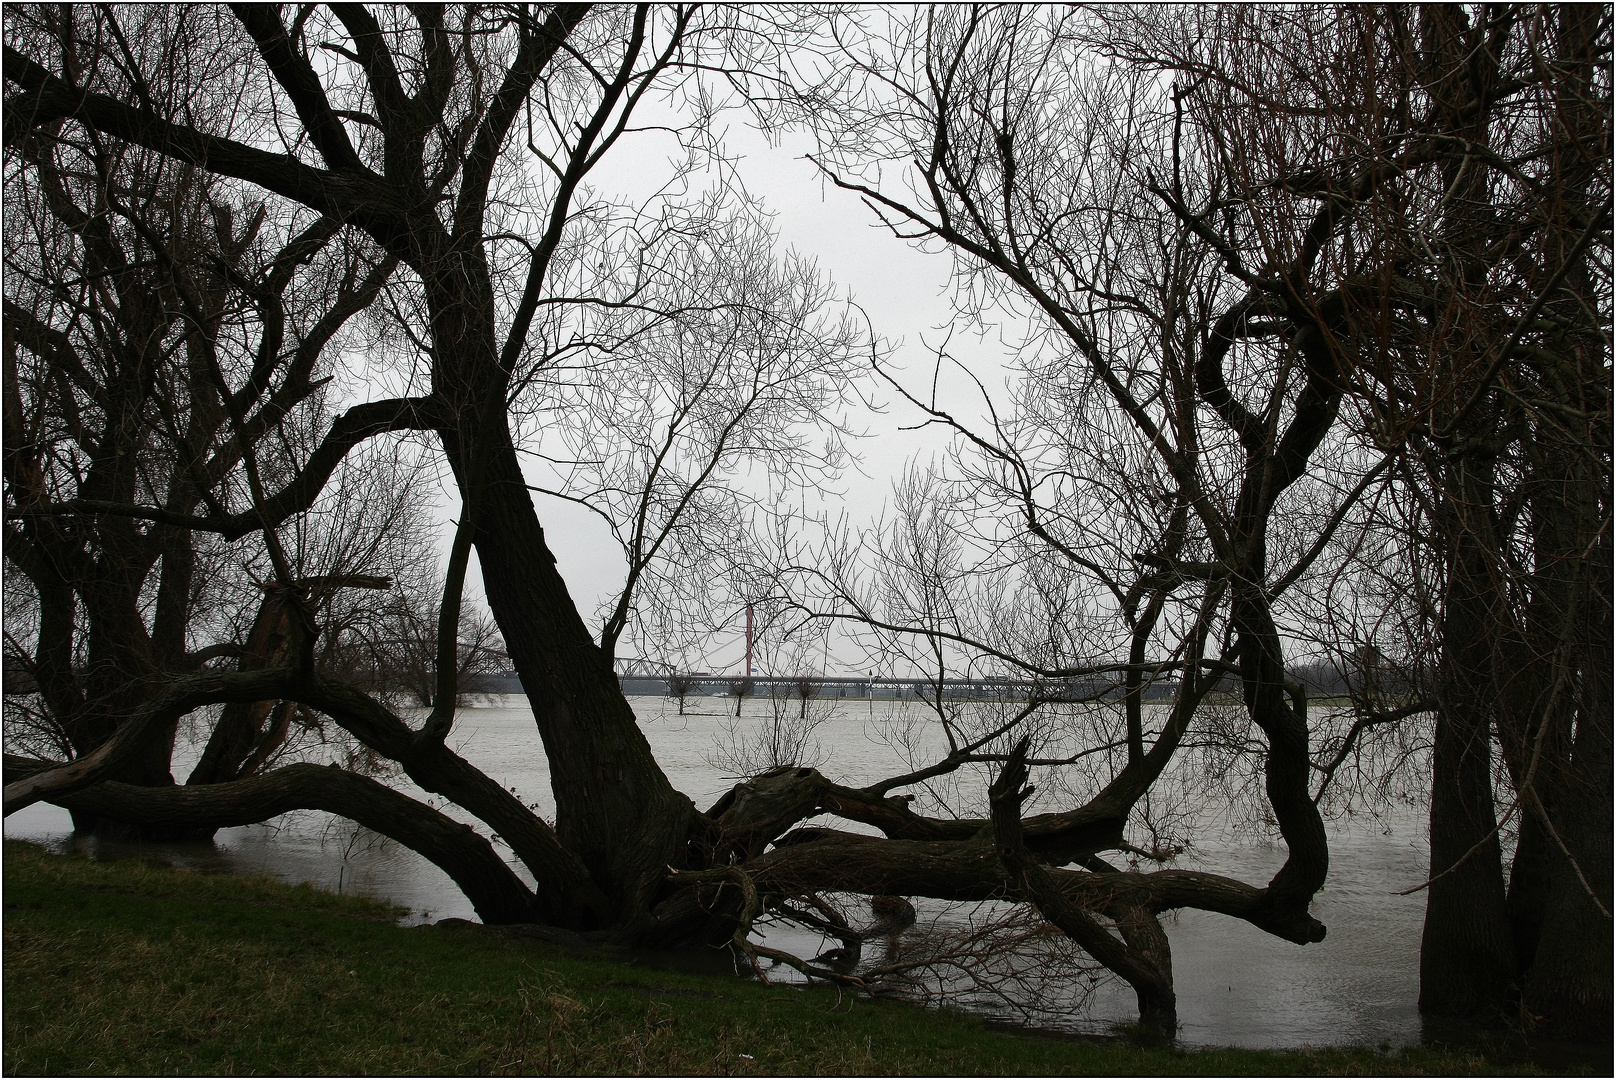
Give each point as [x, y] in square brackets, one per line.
[136, 968]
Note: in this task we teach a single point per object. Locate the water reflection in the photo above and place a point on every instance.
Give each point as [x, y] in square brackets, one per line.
[1236, 985]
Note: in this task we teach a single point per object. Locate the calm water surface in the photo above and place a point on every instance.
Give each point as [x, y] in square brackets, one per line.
[1236, 985]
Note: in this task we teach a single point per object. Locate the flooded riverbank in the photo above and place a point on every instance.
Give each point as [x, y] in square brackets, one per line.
[1236, 985]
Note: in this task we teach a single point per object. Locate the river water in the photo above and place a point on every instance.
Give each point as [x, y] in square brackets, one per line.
[1236, 985]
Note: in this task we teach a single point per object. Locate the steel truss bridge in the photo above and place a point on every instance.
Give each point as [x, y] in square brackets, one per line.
[640, 677]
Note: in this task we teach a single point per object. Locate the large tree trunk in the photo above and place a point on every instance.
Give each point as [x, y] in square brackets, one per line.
[1147, 943]
[121, 679]
[1568, 987]
[1528, 894]
[614, 805]
[1506, 657]
[615, 808]
[1467, 961]
[1467, 950]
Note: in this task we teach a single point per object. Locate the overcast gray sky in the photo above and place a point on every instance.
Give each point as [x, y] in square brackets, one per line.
[903, 291]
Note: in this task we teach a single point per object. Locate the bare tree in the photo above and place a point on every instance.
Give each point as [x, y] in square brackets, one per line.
[458, 142]
[806, 688]
[136, 287]
[1189, 296]
[395, 655]
[383, 155]
[1138, 498]
[741, 689]
[1518, 476]
[1225, 264]
[1485, 294]
[680, 685]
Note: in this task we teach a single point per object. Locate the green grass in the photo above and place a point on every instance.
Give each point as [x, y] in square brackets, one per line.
[130, 967]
